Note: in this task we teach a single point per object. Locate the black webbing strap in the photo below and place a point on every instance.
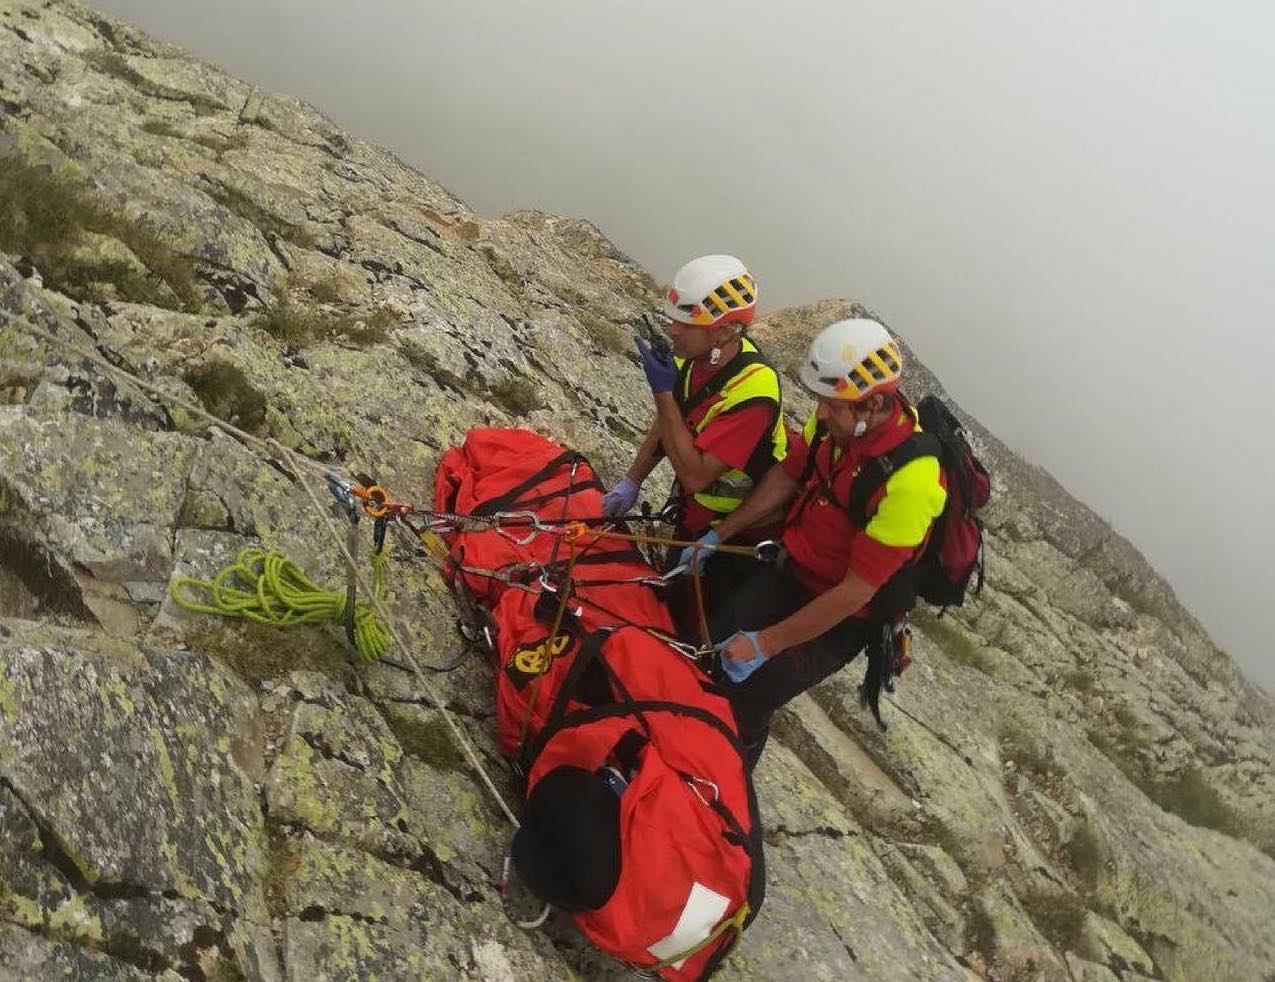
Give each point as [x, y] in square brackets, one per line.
[594, 713]
[872, 474]
[540, 499]
[763, 455]
[688, 403]
[582, 716]
[629, 748]
[507, 500]
[590, 648]
[816, 442]
[352, 581]
[875, 472]
[629, 554]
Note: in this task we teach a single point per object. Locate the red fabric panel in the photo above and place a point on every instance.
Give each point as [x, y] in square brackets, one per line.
[670, 839]
[733, 436]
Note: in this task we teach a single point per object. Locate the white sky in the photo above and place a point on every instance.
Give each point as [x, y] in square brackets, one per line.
[1067, 209]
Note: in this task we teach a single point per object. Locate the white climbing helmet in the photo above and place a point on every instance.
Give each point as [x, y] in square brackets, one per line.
[712, 290]
[852, 359]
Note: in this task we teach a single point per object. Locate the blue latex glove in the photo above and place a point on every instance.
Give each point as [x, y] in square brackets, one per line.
[661, 373]
[621, 498]
[737, 671]
[693, 559]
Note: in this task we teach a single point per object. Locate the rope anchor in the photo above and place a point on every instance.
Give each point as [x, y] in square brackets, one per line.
[296, 465]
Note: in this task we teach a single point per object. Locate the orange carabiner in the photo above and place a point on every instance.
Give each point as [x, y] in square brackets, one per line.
[376, 500]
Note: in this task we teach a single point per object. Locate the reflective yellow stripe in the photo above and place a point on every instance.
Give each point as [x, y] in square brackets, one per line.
[730, 388]
[877, 360]
[679, 364]
[863, 373]
[720, 504]
[808, 431]
[753, 382]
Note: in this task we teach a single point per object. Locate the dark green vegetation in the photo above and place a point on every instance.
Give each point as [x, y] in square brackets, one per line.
[1080, 680]
[298, 326]
[608, 336]
[114, 64]
[1026, 752]
[425, 360]
[1058, 914]
[954, 642]
[1186, 794]
[160, 127]
[1087, 854]
[219, 145]
[324, 291]
[226, 393]
[66, 229]
[256, 652]
[424, 734]
[518, 396]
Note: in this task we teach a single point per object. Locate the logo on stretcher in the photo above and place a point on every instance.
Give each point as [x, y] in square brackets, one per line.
[535, 658]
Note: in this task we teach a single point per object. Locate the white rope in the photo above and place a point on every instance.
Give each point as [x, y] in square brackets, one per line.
[276, 449]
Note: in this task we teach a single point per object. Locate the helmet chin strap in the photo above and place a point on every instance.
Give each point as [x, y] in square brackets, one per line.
[715, 356]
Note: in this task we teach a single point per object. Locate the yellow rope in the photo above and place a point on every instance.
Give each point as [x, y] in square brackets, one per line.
[268, 588]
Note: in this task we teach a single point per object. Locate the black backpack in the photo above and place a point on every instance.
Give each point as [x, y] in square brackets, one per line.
[955, 551]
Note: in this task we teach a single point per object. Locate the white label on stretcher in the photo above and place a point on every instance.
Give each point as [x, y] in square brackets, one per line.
[704, 909]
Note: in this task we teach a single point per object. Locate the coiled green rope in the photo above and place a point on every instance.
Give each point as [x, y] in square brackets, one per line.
[269, 588]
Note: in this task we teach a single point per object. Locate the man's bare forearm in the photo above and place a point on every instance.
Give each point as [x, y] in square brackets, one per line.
[647, 457]
[695, 470]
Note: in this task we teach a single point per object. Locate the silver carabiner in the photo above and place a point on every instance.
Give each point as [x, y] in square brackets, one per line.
[536, 527]
[686, 650]
[672, 574]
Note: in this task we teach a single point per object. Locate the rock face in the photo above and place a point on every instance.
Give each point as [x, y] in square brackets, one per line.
[1075, 783]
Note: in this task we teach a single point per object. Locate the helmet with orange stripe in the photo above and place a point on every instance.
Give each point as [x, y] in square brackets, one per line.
[851, 360]
[711, 291]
